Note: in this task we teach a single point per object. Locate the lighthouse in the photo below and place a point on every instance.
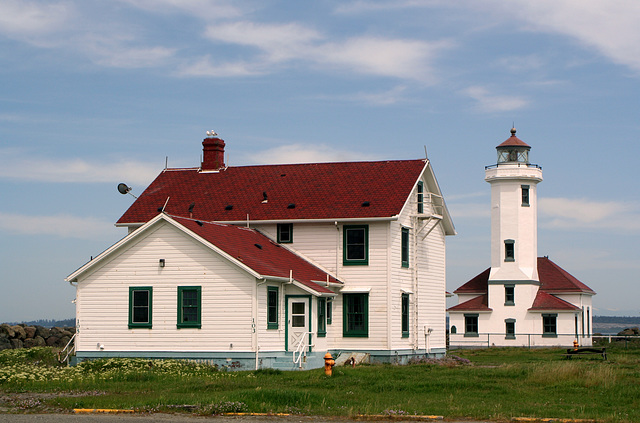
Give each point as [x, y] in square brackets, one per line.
[514, 213]
[522, 299]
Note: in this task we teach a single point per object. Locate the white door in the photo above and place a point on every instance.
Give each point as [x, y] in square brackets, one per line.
[298, 323]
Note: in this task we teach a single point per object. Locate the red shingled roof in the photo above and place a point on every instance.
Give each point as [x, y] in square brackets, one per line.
[514, 141]
[546, 301]
[259, 253]
[553, 279]
[479, 303]
[296, 191]
[476, 285]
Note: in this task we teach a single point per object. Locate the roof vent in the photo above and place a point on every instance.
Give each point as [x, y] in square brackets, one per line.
[366, 204]
[291, 206]
[264, 197]
[258, 246]
[199, 223]
[229, 207]
[160, 209]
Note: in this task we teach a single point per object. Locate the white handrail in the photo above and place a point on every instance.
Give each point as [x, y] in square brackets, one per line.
[71, 346]
[301, 349]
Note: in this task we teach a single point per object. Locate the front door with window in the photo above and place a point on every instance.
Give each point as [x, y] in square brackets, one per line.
[297, 321]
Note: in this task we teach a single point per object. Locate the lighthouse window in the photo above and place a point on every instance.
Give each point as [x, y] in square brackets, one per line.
[509, 250]
[525, 195]
[509, 295]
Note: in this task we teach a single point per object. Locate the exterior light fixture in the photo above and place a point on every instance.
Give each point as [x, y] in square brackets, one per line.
[161, 262]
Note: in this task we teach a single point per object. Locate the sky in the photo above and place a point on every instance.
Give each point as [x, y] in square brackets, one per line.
[97, 93]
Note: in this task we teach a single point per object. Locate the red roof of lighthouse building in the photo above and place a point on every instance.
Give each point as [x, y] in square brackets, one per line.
[514, 141]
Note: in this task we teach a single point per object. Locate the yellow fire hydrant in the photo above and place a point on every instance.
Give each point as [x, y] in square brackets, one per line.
[575, 345]
[329, 362]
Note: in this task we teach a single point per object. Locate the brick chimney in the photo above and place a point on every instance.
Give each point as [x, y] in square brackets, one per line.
[212, 153]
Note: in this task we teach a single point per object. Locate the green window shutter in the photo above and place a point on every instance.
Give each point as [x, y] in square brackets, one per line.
[140, 306]
[420, 197]
[355, 245]
[355, 315]
[189, 307]
[405, 247]
[405, 315]
[272, 307]
[322, 317]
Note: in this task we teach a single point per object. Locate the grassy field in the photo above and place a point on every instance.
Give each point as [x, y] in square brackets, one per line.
[492, 384]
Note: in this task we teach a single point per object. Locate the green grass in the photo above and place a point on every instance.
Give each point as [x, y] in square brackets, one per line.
[500, 383]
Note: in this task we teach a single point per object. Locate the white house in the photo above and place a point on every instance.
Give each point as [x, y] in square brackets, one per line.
[522, 299]
[261, 266]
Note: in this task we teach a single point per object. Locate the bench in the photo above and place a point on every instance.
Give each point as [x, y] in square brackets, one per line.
[574, 352]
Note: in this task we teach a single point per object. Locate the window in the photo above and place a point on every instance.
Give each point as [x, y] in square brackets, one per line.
[329, 311]
[140, 307]
[356, 245]
[285, 233]
[510, 328]
[525, 195]
[549, 325]
[298, 315]
[272, 307]
[405, 247]
[322, 317]
[420, 189]
[470, 325]
[509, 250]
[509, 295]
[355, 315]
[405, 315]
[189, 306]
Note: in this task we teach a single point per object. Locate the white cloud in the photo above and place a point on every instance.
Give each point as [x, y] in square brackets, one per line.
[611, 28]
[300, 153]
[384, 98]
[202, 9]
[362, 6]
[565, 213]
[488, 102]
[64, 226]
[26, 19]
[17, 166]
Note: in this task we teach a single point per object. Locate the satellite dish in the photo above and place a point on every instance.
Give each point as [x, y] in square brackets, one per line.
[123, 188]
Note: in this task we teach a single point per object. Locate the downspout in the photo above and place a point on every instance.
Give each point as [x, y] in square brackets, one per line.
[255, 320]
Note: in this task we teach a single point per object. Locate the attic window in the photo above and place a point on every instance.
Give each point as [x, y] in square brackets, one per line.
[291, 206]
[366, 204]
[229, 207]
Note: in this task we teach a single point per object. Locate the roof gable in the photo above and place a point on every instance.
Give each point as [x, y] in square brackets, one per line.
[553, 279]
[546, 301]
[300, 191]
[247, 248]
[479, 303]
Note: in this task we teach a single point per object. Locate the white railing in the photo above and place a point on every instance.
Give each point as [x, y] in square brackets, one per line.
[68, 350]
[301, 349]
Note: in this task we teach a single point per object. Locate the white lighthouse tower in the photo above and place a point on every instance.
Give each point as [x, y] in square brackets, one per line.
[514, 224]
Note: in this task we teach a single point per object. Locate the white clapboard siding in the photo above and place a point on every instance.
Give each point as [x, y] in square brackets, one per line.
[103, 298]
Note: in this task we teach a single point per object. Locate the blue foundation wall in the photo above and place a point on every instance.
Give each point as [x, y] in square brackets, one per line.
[235, 361]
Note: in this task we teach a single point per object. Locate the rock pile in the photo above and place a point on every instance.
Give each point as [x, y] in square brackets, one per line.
[630, 332]
[23, 336]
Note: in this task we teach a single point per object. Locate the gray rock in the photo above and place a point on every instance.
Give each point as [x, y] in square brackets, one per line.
[52, 341]
[5, 344]
[30, 331]
[40, 342]
[19, 332]
[16, 343]
[42, 331]
[8, 330]
[29, 343]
